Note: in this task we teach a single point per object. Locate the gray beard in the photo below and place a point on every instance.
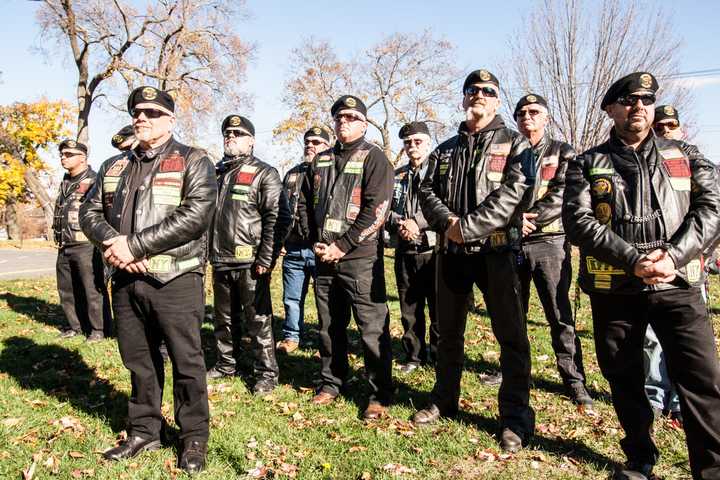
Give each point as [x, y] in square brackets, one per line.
[233, 151]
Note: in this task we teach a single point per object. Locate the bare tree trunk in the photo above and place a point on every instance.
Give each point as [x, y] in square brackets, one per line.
[11, 221]
[44, 200]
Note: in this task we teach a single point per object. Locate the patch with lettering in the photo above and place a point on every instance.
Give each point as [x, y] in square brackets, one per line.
[188, 263]
[117, 168]
[679, 171]
[244, 252]
[498, 238]
[549, 167]
[160, 264]
[246, 175]
[333, 226]
[110, 184]
[172, 163]
[324, 161]
[693, 269]
[353, 168]
[597, 267]
[496, 167]
[500, 149]
[166, 194]
[354, 206]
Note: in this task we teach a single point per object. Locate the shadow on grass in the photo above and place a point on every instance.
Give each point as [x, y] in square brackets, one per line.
[37, 309]
[64, 375]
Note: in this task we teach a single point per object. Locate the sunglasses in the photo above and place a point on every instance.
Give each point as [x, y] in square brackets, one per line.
[66, 154]
[659, 127]
[313, 142]
[235, 134]
[631, 100]
[529, 112]
[473, 90]
[149, 113]
[348, 117]
[413, 141]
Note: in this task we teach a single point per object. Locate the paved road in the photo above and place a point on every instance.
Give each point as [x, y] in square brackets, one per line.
[26, 263]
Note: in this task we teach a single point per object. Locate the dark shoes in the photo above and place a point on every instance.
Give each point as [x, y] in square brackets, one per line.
[96, 336]
[406, 368]
[427, 415]
[263, 387]
[491, 379]
[192, 458]
[579, 394]
[510, 441]
[634, 471]
[323, 398]
[375, 411]
[131, 447]
[69, 333]
[214, 374]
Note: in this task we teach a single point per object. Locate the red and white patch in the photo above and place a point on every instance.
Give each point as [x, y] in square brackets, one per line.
[173, 163]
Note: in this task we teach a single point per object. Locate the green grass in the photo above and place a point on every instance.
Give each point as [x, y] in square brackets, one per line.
[63, 402]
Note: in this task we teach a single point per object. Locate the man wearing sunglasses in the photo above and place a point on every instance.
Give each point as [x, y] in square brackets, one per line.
[414, 243]
[546, 258]
[247, 232]
[298, 256]
[667, 123]
[149, 211]
[80, 277]
[345, 197]
[642, 209]
[473, 184]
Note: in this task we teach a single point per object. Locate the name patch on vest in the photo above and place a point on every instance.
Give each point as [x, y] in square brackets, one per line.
[160, 264]
[244, 252]
[354, 168]
[332, 225]
[246, 175]
[678, 168]
[172, 163]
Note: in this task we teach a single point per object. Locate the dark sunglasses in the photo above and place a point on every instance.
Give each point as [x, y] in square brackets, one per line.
[348, 117]
[659, 127]
[235, 134]
[486, 91]
[313, 142]
[631, 100]
[149, 113]
[413, 141]
[532, 113]
[66, 154]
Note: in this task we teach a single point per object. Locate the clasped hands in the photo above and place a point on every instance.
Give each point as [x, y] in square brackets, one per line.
[328, 253]
[655, 267]
[117, 253]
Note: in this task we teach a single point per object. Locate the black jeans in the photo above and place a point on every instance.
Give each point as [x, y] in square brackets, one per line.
[356, 285]
[240, 296]
[415, 278]
[679, 318]
[548, 264]
[495, 274]
[82, 291]
[148, 311]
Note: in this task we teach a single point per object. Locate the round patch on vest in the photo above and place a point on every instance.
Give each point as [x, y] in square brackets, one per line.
[603, 213]
[601, 186]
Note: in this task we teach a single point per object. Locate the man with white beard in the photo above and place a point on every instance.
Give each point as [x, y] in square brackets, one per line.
[249, 227]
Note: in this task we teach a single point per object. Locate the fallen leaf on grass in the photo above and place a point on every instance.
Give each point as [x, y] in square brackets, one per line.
[398, 469]
[74, 454]
[365, 476]
[357, 448]
[11, 422]
[53, 464]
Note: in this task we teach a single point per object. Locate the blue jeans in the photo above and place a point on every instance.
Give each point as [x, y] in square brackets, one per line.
[658, 387]
[298, 267]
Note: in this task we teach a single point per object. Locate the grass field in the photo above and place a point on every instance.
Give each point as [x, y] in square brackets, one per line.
[62, 402]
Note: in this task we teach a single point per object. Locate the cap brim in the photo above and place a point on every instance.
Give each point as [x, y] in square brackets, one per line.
[153, 106]
[239, 129]
[350, 110]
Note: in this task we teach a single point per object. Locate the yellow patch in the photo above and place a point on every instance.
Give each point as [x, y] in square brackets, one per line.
[645, 80]
[601, 186]
[350, 102]
[332, 225]
[118, 139]
[693, 269]
[234, 121]
[668, 110]
[603, 212]
[244, 252]
[160, 264]
[498, 238]
[596, 267]
[531, 98]
[316, 131]
[484, 75]
[149, 93]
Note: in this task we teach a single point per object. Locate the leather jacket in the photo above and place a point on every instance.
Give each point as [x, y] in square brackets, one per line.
[299, 231]
[174, 208]
[546, 175]
[620, 203]
[252, 215]
[478, 178]
[406, 205]
[66, 221]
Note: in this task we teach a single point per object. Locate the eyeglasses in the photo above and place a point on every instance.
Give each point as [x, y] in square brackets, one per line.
[412, 141]
[348, 117]
[529, 112]
[313, 142]
[66, 154]
[235, 134]
[149, 113]
[659, 127]
[631, 100]
[473, 90]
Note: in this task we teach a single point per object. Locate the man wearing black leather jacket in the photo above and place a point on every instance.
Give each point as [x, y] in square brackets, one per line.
[250, 224]
[149, 211]
[546, 259]
[473, 185]
[345, 198]
[414, 244]
[80, 278]
[642, 209]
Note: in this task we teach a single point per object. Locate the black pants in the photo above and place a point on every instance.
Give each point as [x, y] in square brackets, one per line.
[680, 320]
[415, 277]
[495, 274]
[82, 291]
[147, 311]
[548, 264]
[356, 285]
[247, 300]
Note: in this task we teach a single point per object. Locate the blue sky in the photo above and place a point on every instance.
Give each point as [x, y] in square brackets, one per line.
[478, 30]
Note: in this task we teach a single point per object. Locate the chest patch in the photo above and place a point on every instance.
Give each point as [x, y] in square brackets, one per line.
[172, 163]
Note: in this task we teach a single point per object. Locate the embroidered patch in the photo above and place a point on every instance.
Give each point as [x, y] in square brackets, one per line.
[596, 267]
[354, 168]
[677, 167]
[244, 252]
[110, 184]
[117, 168]
[603, 212]
[693, 269]
[188, 264]
[500, 149]
[172, 163]
[166, 195]
[242, 197]
[160, 264]
[496, 167]
[332, 225]
[549, 167]
[84, 185]
[601, 186]
[601, 171]
[498, 238]
[80, 237]
[244, 178]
